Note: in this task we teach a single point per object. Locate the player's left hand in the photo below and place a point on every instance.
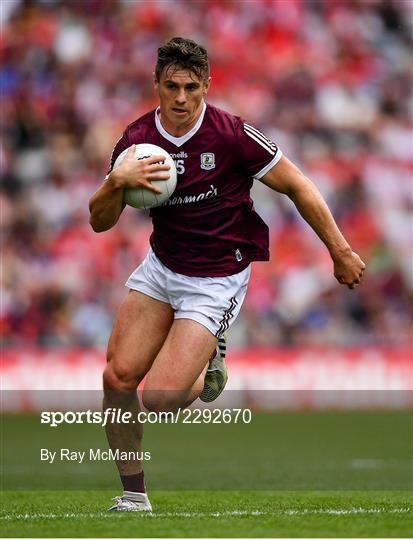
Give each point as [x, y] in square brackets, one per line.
[349, 269]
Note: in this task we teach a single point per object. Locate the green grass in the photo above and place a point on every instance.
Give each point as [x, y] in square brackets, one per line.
[278, 451]
[211, 514]
[307, 474]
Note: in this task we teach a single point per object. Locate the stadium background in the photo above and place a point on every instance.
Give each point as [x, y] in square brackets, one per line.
[328, 81]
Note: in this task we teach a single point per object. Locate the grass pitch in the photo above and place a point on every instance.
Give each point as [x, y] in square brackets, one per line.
[324, 474]
[210, 514]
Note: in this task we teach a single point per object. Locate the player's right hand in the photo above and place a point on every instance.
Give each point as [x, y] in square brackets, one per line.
[140, 172]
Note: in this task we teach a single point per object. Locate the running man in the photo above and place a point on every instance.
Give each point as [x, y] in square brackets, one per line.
[189, 289]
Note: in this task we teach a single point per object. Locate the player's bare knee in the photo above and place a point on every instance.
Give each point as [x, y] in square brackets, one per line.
[116, 377]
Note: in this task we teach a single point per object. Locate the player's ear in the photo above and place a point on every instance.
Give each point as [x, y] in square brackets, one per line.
[206, 86]
[155, 81]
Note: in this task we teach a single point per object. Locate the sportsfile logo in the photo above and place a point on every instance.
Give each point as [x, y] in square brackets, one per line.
[108, 416]
[118, 416]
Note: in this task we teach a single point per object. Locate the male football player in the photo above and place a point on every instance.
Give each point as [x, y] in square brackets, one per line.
[190, 287]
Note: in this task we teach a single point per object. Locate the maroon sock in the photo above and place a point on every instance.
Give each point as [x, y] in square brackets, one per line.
[133, 482]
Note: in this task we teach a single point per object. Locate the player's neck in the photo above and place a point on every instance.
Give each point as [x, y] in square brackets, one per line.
[181, 129]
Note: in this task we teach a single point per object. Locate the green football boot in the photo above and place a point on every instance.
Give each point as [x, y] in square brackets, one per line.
[216, 376]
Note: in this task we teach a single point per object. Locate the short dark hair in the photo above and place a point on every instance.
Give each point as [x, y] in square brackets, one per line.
[184, 54]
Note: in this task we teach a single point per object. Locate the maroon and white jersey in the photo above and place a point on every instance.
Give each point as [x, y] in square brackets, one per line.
[208, 227]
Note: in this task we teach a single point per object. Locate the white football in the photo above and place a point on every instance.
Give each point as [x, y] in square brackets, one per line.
[143, 197]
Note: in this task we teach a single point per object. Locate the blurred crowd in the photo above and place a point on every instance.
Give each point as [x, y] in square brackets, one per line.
[328, 80]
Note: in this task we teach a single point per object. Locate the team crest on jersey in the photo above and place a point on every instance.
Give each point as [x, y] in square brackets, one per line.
[207, 161]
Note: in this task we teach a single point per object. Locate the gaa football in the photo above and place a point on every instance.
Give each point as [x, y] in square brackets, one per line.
[141, 197]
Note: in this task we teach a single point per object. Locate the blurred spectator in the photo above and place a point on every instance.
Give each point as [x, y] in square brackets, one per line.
[329, 81]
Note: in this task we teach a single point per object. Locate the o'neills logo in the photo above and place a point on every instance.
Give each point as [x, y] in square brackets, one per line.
[179, 155]
[187, 199]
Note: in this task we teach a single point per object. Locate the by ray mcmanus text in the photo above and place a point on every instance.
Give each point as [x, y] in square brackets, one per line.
[92, 454]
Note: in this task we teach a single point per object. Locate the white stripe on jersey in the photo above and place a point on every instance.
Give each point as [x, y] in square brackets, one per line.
[264, 145]
[260, 135]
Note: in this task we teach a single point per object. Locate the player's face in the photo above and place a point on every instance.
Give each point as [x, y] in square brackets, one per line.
[181, 95]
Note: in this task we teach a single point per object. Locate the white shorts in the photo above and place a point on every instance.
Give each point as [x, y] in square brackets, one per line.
[214, 302]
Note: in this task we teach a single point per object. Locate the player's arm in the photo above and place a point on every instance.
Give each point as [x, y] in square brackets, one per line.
[106, 205]
[286, 178]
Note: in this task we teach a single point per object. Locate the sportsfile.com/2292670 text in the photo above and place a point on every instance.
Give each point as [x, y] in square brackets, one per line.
[118, 416]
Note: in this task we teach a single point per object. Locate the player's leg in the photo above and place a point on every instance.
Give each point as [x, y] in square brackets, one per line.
[140, 329]
[176, 377]
[214, 303]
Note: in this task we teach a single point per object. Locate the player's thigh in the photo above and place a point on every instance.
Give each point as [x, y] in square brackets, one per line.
[140, 329]
[182, 358]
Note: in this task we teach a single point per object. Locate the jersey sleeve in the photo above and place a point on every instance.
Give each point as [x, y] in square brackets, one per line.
[258, 153]
[122, 144]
